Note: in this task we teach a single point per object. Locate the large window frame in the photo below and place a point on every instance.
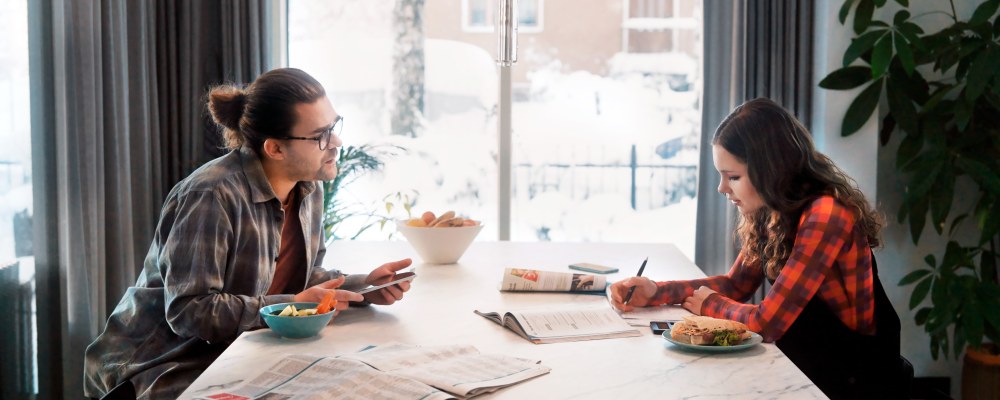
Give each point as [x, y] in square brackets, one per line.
[490, 6]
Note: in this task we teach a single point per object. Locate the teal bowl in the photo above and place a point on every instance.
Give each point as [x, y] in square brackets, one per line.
[295, 327]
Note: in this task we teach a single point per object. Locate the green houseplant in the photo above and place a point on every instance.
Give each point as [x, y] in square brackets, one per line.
[354, 162]
[943, 95]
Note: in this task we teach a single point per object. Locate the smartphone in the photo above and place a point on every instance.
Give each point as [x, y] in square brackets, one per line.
[659, 327]
[597, 269]
[400, 277]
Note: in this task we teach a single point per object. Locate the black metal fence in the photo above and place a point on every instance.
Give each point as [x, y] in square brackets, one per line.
[647, 185]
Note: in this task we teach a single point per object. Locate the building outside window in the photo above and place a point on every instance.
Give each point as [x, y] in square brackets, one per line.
[480, 15]
[605, 137]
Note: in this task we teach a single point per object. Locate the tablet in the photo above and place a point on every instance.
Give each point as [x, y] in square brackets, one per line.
[400, 277]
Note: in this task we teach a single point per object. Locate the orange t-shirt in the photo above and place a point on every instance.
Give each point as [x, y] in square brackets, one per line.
[289, 270]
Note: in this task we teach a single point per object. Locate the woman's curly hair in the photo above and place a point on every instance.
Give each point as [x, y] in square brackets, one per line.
[788, 173]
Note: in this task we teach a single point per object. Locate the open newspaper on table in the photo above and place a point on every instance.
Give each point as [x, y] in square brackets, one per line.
[394, 371]
[563, 323]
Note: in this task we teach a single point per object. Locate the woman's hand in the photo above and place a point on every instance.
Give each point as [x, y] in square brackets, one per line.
[645, 289]
[385, 274]
[694, 302]
[315, 294]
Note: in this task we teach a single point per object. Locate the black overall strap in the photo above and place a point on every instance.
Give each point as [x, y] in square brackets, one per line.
[841, 362]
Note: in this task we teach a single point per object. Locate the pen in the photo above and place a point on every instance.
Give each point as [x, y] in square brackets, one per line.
[632, 289]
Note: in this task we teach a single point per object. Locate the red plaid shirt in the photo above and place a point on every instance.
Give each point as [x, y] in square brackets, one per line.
[830, 259]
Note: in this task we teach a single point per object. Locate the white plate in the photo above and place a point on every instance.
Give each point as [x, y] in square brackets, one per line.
[754, 340]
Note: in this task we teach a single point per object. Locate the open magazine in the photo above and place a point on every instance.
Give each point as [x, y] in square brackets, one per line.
[393, 371]
[533, 280]
[563, 324]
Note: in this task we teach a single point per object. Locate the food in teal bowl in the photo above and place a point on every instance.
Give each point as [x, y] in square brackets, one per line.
[295, 327]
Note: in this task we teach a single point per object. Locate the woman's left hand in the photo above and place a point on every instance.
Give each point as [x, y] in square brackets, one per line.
[693, 303]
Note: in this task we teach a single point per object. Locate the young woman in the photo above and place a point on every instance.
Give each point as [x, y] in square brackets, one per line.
[805, 227]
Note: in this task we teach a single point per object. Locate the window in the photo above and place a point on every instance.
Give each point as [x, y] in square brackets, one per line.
[17, 272]
[480, 15]
[605, 142]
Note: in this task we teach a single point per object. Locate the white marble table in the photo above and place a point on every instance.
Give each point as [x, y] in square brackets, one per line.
[438, 310]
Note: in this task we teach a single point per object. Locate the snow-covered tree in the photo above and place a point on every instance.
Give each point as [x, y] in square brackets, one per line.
[407, 68]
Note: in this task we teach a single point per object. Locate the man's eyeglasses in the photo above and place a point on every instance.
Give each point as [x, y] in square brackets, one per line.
[326, 137]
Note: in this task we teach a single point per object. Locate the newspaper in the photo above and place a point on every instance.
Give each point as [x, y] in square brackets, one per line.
[563, 324]
[394, 371]
[642, 316]
[533, 280]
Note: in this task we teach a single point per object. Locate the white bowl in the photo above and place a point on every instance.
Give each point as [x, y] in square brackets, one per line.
[439, 245]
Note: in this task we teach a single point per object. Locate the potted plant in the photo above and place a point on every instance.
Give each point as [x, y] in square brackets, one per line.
[943, 95]
[354, 162]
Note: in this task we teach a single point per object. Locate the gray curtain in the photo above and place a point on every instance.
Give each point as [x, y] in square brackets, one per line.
[118, 117]
[753, 48]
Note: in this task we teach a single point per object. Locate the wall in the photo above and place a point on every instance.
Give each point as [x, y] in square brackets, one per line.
[874, 169]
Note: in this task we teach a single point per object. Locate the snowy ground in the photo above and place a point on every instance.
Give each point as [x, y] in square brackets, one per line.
[564, 117]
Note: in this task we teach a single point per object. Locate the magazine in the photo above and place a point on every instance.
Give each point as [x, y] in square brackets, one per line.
[565, 324]
[533, 280]
[393, 371]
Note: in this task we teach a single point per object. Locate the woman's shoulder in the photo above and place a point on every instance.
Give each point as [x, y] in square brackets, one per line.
[828, 207]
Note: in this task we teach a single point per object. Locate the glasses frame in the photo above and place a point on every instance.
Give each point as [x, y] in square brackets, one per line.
[326, 137]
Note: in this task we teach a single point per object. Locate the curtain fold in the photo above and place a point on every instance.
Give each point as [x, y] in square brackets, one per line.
[753, 48]
[118, 117]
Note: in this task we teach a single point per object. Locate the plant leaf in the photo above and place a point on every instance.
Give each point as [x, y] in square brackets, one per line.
[901, 106]
[881, 55]
[920, 293]
[846, 78]
[990, 225]
[980, 72]
[862, 44]
[984, 12]
[960, 338]
[941, 196]
[955, 223]
[936, 98]
[900, 17]
[988, 272]
[935, 345]
[983, 175]
[921, 317]
[972, 322]
[888, 126]
[914, 276]
[863, 15]
[912, 33]
[963, 114]
[880, 3]
[918, 216]
[909, 148]
[904, 53]
[844, 10]
[904, 3]
[861, 108]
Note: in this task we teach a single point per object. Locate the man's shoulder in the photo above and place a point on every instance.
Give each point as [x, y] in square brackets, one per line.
[221, 174]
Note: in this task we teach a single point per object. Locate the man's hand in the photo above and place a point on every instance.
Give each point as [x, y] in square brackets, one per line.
[645, 289]
[694, 302]
[315, 294]
[384, 274]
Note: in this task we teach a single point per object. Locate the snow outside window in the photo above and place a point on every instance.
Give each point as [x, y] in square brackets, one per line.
[605, 142]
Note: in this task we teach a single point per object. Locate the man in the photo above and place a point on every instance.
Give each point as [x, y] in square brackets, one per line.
[241, 232]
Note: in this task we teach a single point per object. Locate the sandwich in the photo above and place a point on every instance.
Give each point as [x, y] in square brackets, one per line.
[708, 331]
